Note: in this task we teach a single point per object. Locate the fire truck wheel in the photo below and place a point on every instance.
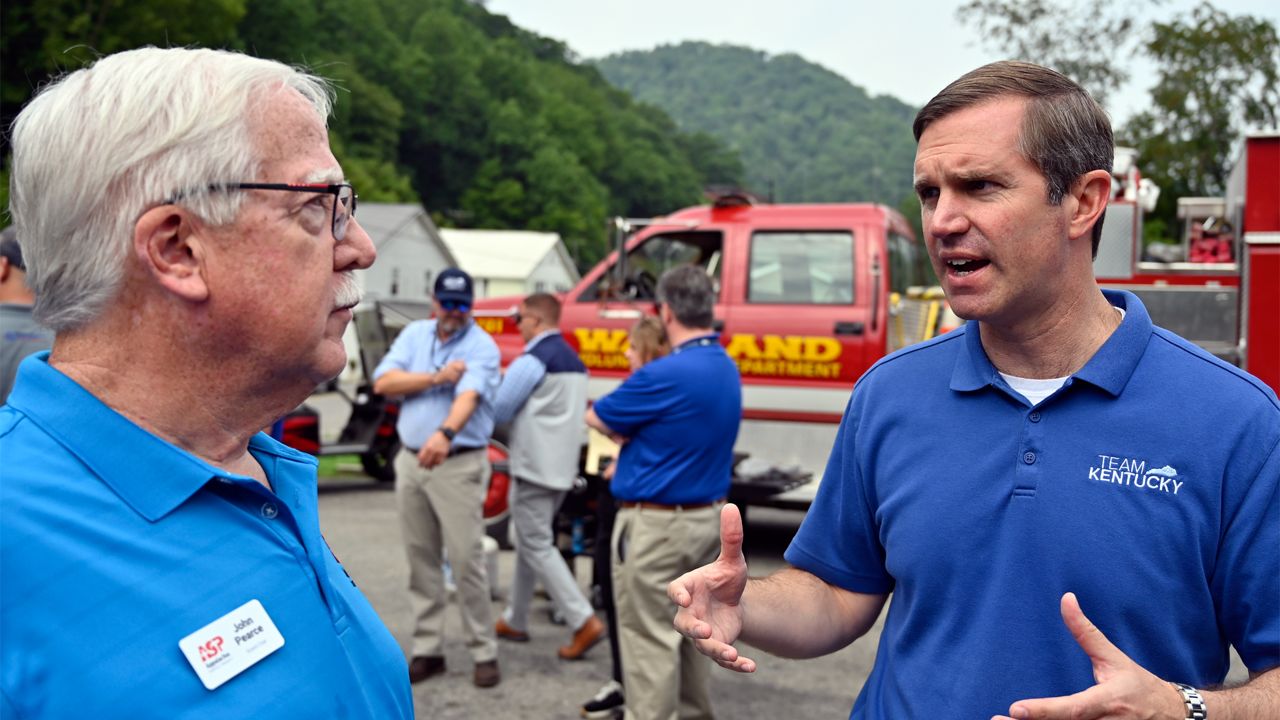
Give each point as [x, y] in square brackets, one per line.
[379, 462]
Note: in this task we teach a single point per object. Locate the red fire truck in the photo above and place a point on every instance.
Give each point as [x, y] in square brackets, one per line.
[809, 297]
[1219, 286]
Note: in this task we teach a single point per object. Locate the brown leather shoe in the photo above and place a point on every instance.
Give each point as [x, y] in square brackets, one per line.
[425, 666]
[586, 636]
[506, 632]
[487, 674]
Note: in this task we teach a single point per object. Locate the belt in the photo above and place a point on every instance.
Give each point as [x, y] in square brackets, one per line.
[455, 450]
[646, 505]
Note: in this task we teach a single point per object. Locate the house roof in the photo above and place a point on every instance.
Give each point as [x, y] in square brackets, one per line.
[388, 223]
[505, 254]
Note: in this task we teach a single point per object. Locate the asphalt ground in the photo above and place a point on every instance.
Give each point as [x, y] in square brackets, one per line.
[359, 521]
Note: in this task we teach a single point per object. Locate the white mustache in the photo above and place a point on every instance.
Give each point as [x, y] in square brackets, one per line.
[348, 294]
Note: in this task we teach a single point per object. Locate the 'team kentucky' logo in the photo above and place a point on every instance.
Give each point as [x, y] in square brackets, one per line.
[1134, 473]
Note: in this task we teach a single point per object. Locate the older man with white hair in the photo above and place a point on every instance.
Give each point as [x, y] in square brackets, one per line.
[190, 240]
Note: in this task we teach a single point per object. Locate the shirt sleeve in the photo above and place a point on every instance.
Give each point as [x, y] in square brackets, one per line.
[400, 356]
[1246, 585]
[838, 540]
[523, 376]
[638, 401]
[483, 361]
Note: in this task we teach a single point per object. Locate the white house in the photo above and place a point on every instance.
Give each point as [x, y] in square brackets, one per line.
[410, 252]
[512, 262]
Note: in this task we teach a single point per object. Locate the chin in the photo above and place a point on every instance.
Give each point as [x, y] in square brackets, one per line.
[331, 360]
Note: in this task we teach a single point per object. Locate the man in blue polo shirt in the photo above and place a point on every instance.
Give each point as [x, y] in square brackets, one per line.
[678, 419]
[190, 240]
[1075, 511]
[447, 370]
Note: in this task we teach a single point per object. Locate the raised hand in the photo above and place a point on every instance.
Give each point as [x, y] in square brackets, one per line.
[1124, 690]
[709, 599]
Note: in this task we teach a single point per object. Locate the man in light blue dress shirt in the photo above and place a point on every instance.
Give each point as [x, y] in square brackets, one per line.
[446, 369]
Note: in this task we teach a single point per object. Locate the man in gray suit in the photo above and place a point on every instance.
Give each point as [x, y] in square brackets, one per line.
[544, 395]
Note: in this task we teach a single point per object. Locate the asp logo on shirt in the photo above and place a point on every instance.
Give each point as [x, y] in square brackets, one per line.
[1134, 473]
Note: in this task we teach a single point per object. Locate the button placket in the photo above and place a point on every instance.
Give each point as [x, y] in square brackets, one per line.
[1027, 470]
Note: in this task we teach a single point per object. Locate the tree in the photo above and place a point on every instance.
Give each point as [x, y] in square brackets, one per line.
[1086, 43]
[441, 101]
[1218, 75]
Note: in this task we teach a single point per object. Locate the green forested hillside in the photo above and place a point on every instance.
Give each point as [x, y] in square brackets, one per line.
[804, 132]
[487, 124]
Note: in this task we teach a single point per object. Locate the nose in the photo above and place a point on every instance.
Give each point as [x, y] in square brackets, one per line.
[356, 251]
[946, 218]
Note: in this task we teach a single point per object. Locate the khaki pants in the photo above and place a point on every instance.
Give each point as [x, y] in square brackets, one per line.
[664, 676]
[441, 509]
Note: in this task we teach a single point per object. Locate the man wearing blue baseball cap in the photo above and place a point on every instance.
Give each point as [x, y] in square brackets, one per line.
[446, 369]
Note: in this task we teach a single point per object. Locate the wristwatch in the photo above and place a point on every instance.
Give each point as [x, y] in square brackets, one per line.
[447, 431]
[1191, 697]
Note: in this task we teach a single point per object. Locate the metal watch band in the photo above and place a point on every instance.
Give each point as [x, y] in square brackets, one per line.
[1191, 697]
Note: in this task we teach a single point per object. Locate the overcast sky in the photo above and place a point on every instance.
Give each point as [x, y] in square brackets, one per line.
[906, 48]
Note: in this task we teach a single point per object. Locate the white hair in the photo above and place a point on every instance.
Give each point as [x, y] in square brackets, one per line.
[97, 148]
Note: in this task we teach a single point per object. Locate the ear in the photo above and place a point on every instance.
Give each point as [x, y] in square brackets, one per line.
[5, 269]
[170, 251]
[1088, 197]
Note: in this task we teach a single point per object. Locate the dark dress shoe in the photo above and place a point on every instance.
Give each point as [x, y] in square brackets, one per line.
[487, 674]
[425, 666]
[587, 636]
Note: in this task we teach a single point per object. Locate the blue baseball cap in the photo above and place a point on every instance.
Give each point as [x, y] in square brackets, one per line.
[454, 284]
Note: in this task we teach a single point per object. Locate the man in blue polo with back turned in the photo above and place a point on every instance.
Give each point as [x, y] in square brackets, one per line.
[447, 370]
[678, 419]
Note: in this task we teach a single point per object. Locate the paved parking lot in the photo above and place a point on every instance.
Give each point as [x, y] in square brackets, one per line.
[360, 524]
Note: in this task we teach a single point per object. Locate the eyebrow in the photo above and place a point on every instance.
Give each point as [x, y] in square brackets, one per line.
[328, 176]
[962, 176]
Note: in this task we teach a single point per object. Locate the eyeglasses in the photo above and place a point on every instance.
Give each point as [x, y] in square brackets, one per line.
[344, 196]
[452, 305]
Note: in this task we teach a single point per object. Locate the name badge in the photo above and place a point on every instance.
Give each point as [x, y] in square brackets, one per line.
[231, 644]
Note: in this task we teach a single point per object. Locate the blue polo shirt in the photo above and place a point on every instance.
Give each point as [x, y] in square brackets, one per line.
[1149, 485]
[419, 349]
[115, 545]
[680, 414]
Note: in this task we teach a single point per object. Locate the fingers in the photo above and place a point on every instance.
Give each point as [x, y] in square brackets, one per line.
[731, 534]
[1091, 703]
[1087, 635]
[680, 592]
[689, 625]
[429, 457]
[726, 656]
